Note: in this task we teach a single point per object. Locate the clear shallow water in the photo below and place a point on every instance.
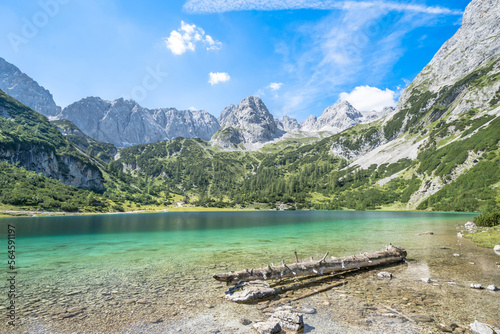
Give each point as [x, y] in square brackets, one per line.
[222, 235]
[145, 253]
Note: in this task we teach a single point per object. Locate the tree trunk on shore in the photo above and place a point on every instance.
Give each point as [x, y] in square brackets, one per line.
[323, 266]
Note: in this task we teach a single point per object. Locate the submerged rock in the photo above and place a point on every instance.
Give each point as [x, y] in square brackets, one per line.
[384, 274]
[449, 328]
[421, 318]
[481, 328]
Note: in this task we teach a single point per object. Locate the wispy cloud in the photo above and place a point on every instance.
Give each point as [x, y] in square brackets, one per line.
[220, 6]
[187, 36]
[345, 51]
[275, 86]
[218, 77]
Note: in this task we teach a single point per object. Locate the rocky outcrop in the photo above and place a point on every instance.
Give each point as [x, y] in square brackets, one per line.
[126, 123]
[120, 122]
[223, 115]
[475, 43]
[374, 115]
[246, 124]
[288, 124]
[186, 123]
[26, 90]
[30, 141]
[69, 169]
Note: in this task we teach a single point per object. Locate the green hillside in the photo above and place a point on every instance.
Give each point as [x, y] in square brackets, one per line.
[38, 166]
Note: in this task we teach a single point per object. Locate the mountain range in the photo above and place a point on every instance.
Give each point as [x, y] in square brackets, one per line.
[125, 123]
[438, 149]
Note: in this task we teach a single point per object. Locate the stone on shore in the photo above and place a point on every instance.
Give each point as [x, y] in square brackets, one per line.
[288, 320]
[250, 291]
[267, 327]
[306, 310]
[496, 248]
[470, 226]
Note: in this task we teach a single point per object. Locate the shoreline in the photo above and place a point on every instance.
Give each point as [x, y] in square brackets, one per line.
[9, 213]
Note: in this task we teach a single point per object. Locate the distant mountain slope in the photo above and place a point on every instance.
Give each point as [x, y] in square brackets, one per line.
[334, 119]
[26, 90]
[125, 123]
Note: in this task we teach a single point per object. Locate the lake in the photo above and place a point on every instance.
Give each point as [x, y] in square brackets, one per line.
[138, 272]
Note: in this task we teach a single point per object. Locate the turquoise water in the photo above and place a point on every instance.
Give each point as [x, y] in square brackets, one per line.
[245, 238]
[172, 256]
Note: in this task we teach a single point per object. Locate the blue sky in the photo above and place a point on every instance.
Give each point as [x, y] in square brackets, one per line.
[300, 56]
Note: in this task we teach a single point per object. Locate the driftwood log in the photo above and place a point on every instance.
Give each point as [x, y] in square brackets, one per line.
[323, 266]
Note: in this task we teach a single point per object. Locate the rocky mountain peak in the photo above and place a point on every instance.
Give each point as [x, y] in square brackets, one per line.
[251, 110]
[334, 119]
[342, 109]
[288, 124]
[26, 90]
[250, 122]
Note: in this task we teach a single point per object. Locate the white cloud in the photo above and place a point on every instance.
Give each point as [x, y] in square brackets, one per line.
[187, 36]
[218, 77]
[220, 6]
[212, 44]
[275, 86]
[366, 98]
